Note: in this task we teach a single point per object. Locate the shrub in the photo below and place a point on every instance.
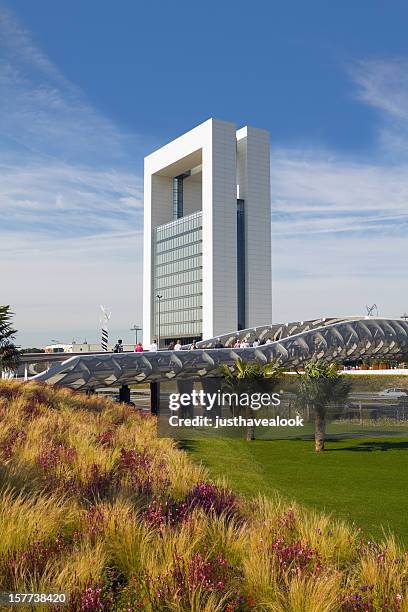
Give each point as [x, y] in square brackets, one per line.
[211, 498]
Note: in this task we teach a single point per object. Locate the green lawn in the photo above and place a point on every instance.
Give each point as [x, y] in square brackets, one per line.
[363, 480]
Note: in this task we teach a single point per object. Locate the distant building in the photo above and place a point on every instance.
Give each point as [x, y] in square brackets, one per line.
[58, 348]
[207, 234]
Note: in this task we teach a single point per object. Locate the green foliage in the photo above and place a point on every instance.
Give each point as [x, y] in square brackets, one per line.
[321, 369]
[9, 355]
[244, 375]
[322, 384]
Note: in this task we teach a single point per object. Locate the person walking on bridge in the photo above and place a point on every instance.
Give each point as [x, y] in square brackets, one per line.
[118, 347]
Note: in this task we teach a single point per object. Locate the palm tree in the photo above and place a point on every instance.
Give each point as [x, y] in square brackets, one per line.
[320, 385]
[247, 377]
[9, 355]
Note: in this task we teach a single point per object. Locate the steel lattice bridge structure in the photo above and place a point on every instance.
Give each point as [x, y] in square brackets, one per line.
[292, 344]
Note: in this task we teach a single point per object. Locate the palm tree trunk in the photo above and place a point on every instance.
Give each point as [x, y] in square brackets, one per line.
[320, 431]
[250, 432]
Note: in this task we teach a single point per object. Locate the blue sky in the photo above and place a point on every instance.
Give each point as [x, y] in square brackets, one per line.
[88, 88]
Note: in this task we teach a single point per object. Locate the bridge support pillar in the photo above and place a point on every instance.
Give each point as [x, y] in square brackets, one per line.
[186, 386]
[124, 394]
[154, 397]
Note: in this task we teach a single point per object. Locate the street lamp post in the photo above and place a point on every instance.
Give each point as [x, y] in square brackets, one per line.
[135, 328]
[159, 297]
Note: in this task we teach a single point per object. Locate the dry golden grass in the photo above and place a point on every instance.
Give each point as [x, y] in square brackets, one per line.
[26, 518]
[91, 499]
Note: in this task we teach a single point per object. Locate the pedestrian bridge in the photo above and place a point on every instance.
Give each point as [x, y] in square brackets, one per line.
[291, 344]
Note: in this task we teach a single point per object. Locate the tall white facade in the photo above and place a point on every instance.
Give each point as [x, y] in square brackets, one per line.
[207, 234]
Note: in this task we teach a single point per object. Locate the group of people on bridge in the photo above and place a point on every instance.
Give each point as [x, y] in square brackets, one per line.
[177, 346]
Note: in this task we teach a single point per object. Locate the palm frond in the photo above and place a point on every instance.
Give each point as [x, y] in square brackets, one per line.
[9, 355]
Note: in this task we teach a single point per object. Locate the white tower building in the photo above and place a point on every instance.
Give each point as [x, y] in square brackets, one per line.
[207, 234]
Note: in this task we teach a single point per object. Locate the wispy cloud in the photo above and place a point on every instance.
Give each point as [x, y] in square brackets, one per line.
[317, 194]
[383, 85]
[57, 284]
[65, 168]
[70, 201]
[339, 236]
[42, 111]
[340, 224]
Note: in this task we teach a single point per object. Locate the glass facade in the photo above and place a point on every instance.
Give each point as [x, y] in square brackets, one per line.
[178, 278]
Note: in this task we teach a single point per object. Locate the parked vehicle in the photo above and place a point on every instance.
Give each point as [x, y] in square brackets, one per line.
[397, 393]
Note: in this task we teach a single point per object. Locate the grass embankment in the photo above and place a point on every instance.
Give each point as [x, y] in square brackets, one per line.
[360, 383]
[372, 383]
[92, 502]
[361, 480]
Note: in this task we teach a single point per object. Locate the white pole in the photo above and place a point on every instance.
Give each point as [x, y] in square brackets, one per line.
[104, 319]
